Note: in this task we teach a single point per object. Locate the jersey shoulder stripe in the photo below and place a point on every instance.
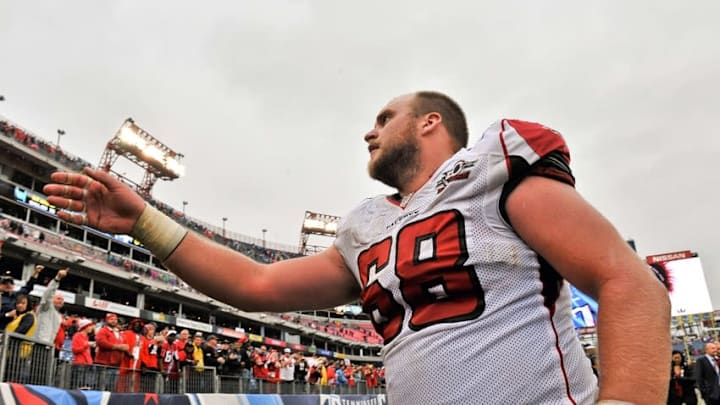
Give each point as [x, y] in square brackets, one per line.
[527, 140]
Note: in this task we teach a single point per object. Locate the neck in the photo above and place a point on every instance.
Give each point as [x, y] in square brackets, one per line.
[419, 179]
[431, 158]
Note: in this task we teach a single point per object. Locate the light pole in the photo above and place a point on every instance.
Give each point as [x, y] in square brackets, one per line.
[185, 203]
[224, 220]
[60, 133]
[264, 231]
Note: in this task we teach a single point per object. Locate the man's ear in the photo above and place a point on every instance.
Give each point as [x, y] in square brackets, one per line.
[430, 121]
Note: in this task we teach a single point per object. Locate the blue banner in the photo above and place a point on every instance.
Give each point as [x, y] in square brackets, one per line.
[584, 309]
[11, 393]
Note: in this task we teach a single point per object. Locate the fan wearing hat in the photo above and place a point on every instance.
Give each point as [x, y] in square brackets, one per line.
[9, 295]
[211, 354]
[150, 348]
[111, 347]
[287, 366]
[81, 343]
[172, 357]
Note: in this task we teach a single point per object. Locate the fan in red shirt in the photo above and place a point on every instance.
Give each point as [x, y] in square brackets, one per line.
[173, 356]
[259, 369]
[110, 345]
[81, 343]
[82, 358]
[370, 376]
[150, 348]
[350, 376]
[130, 366]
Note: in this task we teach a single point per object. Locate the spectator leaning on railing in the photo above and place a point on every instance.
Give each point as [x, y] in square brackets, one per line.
[24, 323]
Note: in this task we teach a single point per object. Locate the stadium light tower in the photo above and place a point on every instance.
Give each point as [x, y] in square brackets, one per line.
[60, 133]
[138, 146]
[185, 203]
[316, 224]
[224, 220]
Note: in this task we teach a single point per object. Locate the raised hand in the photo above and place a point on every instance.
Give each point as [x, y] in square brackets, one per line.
[61, 274]
[95, 198]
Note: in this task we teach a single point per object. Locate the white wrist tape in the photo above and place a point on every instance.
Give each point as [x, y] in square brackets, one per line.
[160, 234]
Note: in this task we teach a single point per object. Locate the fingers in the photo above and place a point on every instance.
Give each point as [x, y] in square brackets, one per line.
[103, 177]
[71, 179]
[69, 198]
[73, 217]
[69, 190]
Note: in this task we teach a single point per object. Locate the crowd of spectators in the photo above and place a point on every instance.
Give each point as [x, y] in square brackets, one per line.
[358, 331]
[137, 347]
[110, 343]
[41, 146]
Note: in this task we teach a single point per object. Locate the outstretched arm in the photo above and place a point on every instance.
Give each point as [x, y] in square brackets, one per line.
[587, 251]
[97, 199]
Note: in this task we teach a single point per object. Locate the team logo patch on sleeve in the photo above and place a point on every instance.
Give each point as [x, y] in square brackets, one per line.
[459, 171]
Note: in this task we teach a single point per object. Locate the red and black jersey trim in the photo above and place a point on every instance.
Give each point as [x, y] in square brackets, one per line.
[553, 166]
[552, 282]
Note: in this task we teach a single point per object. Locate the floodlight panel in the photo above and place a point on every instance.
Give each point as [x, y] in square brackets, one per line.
[131, 138]
[153, 152]
[174, 166]
[314, 225]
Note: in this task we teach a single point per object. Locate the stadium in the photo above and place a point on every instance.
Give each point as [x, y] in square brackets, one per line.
[114, 274]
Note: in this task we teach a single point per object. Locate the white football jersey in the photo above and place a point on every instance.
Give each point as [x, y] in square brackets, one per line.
[469, 313]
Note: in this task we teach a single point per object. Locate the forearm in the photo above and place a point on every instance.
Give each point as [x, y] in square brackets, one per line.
[49, 292]
[218, 271]
[240, 281]
[630, 309]
[29, 285]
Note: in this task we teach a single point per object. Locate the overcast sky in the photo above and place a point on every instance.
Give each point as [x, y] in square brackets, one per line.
[269, 101]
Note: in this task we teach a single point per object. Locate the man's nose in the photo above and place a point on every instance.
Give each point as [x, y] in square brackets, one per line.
[372, 134]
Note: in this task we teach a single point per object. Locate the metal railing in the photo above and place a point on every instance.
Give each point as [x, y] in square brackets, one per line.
[27, 360]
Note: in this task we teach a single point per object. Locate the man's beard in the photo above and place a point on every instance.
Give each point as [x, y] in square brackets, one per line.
[397, 165]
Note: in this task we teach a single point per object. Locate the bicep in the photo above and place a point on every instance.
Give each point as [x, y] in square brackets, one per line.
[556, 222]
